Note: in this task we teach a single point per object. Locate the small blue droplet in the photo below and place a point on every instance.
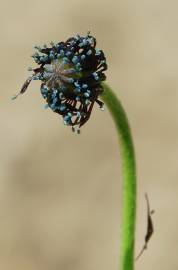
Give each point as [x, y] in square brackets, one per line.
[89, 52]
[83, 56]
[75, 59]
[62, 52]
[77, 84]
[77, 90]
[66, 118]
[53, 106]
[85, 42]
[86, 94]
[87, 101]
[65, 60]
[98, 52]
[51, 56]
[55, 100]
[68, 53]
[62, 107]
[78, 114]
[69, 114]
[84, 86]
[95, 75]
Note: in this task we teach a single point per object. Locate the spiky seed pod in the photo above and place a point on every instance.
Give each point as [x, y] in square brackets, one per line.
[71, 73]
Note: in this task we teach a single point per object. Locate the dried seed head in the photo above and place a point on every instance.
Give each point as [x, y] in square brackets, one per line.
[71, 73]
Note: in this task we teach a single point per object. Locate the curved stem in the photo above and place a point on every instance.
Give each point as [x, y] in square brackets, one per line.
[129, 178]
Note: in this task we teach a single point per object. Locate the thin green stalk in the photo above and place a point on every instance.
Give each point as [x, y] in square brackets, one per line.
[129, 178]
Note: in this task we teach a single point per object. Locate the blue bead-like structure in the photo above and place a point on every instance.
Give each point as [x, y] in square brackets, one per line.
[71, 73]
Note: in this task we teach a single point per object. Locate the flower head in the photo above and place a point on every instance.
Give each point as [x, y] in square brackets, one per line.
[71, 73]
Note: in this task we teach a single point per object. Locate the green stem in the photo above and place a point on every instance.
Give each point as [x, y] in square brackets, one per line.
[129, 178]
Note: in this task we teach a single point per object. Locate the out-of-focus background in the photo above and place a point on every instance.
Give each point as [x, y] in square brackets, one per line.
[60, 193]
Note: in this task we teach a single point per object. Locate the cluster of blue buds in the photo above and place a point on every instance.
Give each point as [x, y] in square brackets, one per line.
[71, 73]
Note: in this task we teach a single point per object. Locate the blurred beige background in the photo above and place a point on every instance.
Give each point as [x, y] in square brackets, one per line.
[60, 194]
